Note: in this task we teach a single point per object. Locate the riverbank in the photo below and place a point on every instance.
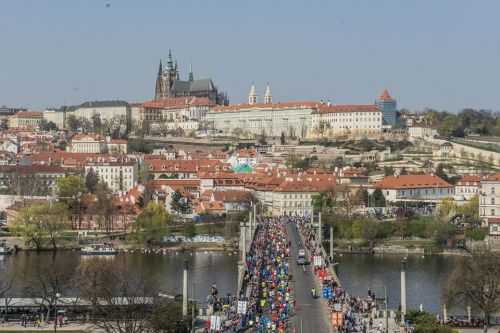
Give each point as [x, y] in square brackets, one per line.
[125, 246]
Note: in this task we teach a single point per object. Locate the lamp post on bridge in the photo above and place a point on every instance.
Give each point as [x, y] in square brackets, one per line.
[404, 262]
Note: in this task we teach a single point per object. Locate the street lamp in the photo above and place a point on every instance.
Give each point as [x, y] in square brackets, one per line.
[55, 311]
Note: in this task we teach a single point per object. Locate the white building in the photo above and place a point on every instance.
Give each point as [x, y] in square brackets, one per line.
[294, 119]
[187, 113]
[56, 117]
[26, 120]
[96, 144]
[421, 132]
[467, 187]
[337, 120]
[294, 195]
[489, 198]
[107, 111]
[119, 176]
[416, 188]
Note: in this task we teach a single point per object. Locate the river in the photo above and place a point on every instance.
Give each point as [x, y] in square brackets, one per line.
[426, 276]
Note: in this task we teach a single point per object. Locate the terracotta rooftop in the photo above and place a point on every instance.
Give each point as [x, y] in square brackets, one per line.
[412, 181]
[325, 108]
[493, 177]
[385, 96]
[307, 183]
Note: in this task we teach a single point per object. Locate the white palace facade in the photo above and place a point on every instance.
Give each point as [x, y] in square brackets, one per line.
[300, 119]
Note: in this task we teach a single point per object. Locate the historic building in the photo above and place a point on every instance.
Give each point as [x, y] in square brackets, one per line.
[388, 106]
[169, 84]
[295, 119]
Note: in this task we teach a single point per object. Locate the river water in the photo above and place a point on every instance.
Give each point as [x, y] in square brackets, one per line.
[426, 276]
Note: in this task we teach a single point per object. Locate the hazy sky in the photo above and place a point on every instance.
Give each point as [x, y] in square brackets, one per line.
[438, 53]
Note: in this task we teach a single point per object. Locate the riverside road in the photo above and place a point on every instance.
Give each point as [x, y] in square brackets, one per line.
[312, 312]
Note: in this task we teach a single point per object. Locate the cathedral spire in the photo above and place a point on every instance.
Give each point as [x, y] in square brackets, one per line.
[252, 96]
[170, 63]
[159, 87]
[268, 97]
[160, 69]
[191, 76]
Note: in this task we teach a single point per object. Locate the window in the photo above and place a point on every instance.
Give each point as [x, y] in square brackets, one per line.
[492, 190]
[493, 211]
[492, 201]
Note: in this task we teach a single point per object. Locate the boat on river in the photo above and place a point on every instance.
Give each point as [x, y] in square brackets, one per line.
[4, 249]
[99, 250]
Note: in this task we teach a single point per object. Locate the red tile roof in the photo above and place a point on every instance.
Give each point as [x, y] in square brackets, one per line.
[385, 96]
[307, 183]
[493, 177]
[232, 196]
[31, 114]
[189, 166]
[263, 106]
[325, 108]
[469, 180]
[412, 181]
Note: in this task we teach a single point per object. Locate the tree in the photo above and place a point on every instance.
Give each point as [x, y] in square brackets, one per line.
[179, 203]
[42, 222]
[124, 301]
[282, 138]
[325, 201]
[5, 287]
[47, 282]
[189, 230]
[91, 181]
[104, 205]
[73, 122]
[361, 197]
[152, 224]
[378, 198]
[69, 188]
[97, 123]
[475, 281]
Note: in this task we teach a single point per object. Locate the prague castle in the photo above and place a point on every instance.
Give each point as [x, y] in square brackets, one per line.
[169, 84]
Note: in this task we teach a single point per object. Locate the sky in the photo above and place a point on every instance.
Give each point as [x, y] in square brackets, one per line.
[443, 54]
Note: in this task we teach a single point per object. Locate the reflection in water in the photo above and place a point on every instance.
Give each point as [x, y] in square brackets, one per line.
[205, 269]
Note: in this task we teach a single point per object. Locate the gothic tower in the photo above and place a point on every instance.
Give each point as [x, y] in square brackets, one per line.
[159, 92]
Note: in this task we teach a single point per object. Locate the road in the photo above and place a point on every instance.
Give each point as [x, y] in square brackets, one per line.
[312, 312]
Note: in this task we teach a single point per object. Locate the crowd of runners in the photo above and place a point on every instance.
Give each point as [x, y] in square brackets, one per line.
[268, 295]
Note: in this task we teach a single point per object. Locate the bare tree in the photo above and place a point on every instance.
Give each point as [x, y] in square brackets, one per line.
[5, 287]
[124, 301]
[476, 282]
[48, 283]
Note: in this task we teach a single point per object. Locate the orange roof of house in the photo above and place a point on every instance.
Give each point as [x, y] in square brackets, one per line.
[385, 96]
[412, 181]
[87, 136]
[178, 102]
[307, 183]
[192, 166]
[158, 183]
[232, 196]
[325, 108]
[29, 114]
[469, 180]
[264, 106]
[492, 177]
